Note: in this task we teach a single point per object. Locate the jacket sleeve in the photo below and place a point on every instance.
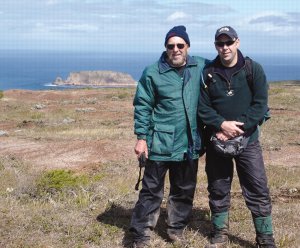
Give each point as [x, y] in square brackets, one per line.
[259, 105]
[143, 106]
[206, 113]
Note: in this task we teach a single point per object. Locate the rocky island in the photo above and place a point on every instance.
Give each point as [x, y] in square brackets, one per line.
[96, 78]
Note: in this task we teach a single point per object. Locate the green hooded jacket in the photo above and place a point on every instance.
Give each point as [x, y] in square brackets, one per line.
[165, 112]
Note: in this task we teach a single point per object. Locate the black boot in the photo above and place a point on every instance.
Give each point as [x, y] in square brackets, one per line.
[219, 234]
[264, 231]
[265, 241]
[140, 238]
[218, 239]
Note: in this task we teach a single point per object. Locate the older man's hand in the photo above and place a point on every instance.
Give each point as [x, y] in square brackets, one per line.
[141, 147]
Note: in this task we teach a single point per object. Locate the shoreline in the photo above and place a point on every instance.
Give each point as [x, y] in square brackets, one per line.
[93, 85]
[53, 87]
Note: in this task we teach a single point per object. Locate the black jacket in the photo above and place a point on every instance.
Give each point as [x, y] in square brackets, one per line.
[243, 104]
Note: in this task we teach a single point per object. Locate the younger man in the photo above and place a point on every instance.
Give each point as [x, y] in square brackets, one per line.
[229, 106]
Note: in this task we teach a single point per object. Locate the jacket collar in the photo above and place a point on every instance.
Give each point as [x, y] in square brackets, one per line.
[164, 66]
[225, 71]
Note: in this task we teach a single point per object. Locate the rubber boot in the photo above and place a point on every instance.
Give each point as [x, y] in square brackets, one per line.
[265, 241]
[140, 239]
[219, 234]
[264, 232]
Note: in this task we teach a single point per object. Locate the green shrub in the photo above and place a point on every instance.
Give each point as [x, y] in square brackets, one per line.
[123, 95]
[57, 180]
[37, 116]
[276, 91]
[1, 94]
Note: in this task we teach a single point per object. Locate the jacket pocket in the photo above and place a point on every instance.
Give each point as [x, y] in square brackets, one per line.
[163, 139]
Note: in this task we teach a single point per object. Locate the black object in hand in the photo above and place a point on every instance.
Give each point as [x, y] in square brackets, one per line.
[142, 160]
[142, 163]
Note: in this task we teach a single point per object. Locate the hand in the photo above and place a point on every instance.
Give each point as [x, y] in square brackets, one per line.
[232, 128]
[222, 136]
[140, 147]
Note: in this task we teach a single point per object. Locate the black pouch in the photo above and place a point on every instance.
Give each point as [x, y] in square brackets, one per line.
[230, 148]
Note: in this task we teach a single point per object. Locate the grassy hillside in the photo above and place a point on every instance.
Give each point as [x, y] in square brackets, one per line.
[67, 172]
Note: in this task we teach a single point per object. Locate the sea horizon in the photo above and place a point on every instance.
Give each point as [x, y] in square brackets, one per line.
[37, 69]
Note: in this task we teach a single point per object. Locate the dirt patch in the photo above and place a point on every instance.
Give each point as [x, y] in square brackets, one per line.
[111, 109]
[67, 151]
[286, 156]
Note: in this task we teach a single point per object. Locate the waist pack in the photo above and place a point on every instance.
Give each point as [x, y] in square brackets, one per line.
[230, 148]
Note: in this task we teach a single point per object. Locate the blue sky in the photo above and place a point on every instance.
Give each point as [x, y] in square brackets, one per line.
[264, 26]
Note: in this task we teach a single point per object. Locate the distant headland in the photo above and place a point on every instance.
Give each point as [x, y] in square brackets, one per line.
[96, 78]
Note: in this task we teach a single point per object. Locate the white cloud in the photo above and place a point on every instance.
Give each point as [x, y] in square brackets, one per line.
[178, 15]
[274, 23]
[77, 27]
[41, 27]
[51, 2]
[81, 21]
[108, 16]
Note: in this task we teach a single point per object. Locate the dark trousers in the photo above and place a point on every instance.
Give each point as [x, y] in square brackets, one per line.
[183, 178]
[252, 177]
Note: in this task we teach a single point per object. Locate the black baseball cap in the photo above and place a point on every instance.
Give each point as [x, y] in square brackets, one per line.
[227, 30]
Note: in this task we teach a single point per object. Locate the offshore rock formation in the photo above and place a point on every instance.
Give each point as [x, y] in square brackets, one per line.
[97, 78]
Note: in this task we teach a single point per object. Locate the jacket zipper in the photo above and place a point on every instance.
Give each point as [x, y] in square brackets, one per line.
[228, 82]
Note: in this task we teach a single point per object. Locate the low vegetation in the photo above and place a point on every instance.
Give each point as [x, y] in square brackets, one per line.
[50, 200]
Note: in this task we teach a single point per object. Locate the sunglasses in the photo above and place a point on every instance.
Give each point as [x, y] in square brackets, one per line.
[179, 46]
[223, 43]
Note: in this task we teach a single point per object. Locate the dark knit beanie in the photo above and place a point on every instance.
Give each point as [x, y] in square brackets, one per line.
[179, 31]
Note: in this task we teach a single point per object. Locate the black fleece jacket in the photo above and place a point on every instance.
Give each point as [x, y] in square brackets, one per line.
[244, 105]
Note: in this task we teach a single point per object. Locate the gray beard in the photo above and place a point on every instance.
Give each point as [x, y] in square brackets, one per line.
[176, 63]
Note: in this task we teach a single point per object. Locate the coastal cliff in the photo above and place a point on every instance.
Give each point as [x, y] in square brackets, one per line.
[97, 78]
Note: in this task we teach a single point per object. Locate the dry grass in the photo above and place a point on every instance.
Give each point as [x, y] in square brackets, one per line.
[90, 134]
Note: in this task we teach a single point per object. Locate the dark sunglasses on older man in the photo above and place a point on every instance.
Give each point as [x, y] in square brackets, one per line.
[179, 46]
[223, 43]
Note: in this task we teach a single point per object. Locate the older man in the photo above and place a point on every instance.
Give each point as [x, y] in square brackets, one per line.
[166, 128]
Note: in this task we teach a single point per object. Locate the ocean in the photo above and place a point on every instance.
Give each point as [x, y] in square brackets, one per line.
[36, 70]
